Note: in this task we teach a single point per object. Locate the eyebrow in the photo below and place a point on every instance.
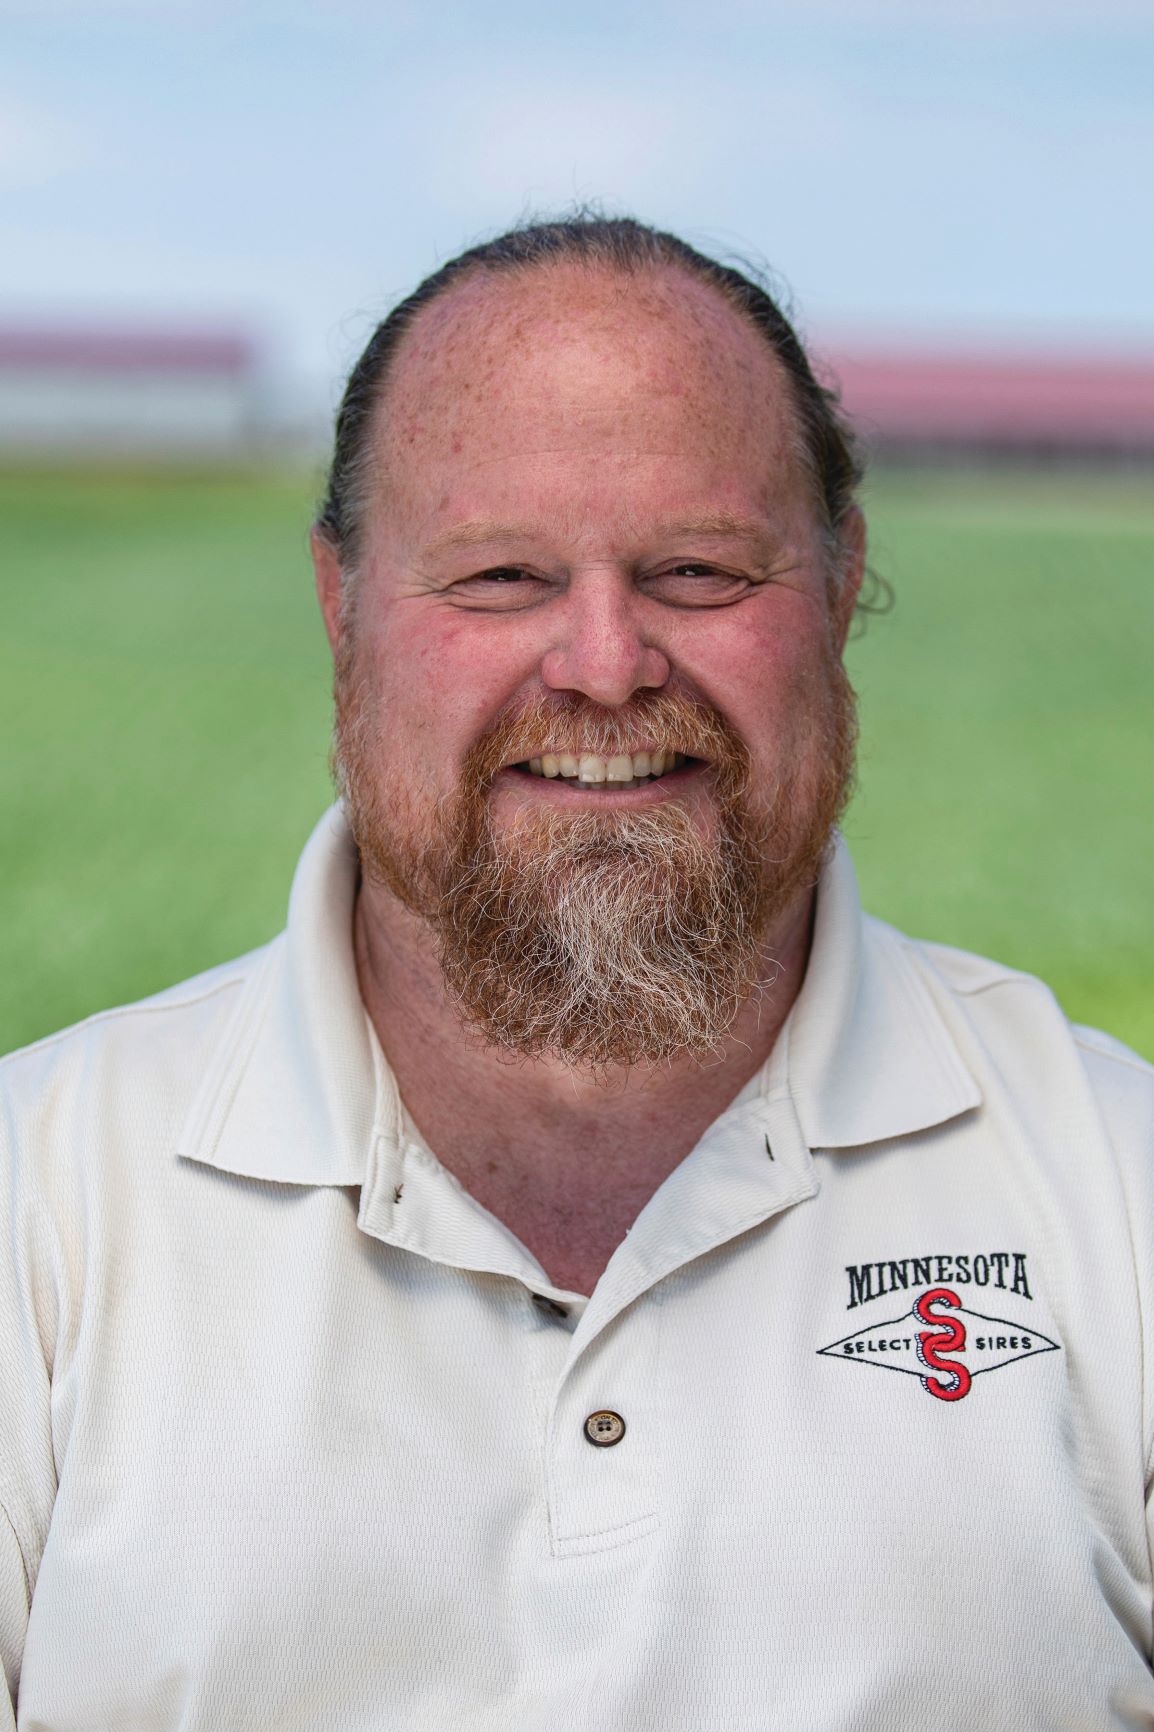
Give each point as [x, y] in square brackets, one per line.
[718, 523]
[723, 524]
[479, 535]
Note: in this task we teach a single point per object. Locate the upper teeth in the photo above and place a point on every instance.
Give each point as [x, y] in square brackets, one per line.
[591, 767]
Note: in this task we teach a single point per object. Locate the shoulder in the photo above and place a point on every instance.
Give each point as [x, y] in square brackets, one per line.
[151, 1052]
[1122, 1082]
[974, 977]
[1013, 1022]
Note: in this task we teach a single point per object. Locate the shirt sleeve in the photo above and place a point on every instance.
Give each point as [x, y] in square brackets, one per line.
[14, 1606]
[29, 1310]
[1124, 1087]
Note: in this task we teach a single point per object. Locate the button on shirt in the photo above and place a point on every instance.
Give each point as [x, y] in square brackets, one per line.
[293, 1431]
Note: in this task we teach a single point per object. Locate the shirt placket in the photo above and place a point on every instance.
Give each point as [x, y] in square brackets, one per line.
[603, 1440]
[601, 1437]
[595, 1383]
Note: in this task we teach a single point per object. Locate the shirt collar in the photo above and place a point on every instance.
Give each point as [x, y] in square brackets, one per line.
[297, 1091]
[292, 1092]
[868, 1051]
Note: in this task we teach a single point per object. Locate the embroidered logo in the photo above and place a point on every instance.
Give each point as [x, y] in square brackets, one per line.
[943, 1343]
[1004, 1269]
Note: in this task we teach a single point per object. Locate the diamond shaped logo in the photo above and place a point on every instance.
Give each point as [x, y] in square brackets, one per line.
[942, 1343]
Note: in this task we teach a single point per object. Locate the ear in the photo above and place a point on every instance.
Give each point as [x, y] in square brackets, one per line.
[330, 590]
[852, 571]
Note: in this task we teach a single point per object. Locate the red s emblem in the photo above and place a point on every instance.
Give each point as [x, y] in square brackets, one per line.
[947, 1336]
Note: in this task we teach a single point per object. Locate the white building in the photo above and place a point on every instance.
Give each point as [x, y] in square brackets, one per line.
[100, 395]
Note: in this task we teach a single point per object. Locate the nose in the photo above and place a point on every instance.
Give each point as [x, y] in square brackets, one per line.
[602, 648]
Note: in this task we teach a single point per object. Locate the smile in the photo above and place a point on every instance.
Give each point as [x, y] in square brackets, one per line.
[592, 770]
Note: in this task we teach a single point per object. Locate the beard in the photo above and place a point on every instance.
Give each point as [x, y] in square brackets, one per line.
[603, 938]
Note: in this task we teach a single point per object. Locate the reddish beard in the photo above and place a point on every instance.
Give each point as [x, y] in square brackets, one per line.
[603, 938]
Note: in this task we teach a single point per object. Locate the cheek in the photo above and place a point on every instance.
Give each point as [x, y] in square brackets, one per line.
[441, 682]
[769, 676]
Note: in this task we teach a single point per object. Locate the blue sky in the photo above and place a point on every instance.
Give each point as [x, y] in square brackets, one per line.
[909, 168]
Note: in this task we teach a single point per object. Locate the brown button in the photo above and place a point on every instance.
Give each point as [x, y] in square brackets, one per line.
[604, 1428]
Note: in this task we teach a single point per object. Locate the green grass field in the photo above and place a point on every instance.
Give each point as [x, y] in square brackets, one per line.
[164, 705]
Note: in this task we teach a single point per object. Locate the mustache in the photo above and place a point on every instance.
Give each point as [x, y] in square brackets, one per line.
[673, 720]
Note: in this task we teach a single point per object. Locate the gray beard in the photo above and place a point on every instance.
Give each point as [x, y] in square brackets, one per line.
[601, 938]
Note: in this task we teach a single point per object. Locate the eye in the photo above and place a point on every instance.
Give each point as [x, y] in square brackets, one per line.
[696, 583]
[499, 574]
[499, 587]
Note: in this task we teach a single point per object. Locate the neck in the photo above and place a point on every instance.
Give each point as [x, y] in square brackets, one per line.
[565, 1156]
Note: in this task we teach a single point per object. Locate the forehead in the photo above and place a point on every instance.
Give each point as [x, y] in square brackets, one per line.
[566, 357]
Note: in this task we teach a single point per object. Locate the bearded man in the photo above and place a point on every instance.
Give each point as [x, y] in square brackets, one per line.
[458, 1312]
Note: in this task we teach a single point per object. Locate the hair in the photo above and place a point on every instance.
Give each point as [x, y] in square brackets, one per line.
[825, 440]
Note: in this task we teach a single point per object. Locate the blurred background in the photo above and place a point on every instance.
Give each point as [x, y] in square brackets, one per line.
[204, 208]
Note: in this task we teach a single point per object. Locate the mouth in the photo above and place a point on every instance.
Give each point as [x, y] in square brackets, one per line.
[611, 775]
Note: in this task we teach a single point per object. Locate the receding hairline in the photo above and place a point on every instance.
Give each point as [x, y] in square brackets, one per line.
[631, 255]
[500, 282]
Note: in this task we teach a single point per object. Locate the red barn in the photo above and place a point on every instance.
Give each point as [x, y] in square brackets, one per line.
[907, 403]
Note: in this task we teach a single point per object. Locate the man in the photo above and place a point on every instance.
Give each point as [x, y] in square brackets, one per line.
[470, 1310]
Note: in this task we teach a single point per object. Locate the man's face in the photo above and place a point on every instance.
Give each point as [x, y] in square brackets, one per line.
[589, 546]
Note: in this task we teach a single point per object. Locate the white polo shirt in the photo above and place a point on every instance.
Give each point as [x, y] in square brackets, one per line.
[291, 1436]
